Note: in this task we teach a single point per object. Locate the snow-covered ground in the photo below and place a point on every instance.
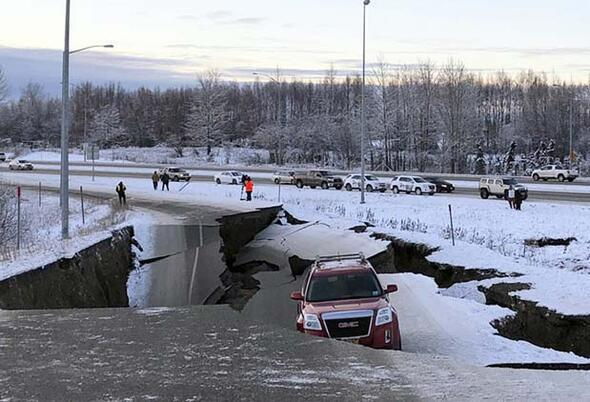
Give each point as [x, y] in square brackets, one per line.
[41, 231]
[166, 155]
[487, 232]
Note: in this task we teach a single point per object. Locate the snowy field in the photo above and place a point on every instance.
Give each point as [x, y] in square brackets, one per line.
[41, 231]
[488, 233]
[166, 155]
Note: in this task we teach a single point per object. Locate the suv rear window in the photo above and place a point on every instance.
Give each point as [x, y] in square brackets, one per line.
[356, 285]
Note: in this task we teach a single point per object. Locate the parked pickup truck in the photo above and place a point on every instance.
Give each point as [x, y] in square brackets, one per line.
[317, 178]
[499, 187]
[555, 172]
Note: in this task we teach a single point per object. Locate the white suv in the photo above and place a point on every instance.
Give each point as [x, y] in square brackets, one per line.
[372, 183]
[20, 164]
[412, 184]
[176, 174]
[555, 172]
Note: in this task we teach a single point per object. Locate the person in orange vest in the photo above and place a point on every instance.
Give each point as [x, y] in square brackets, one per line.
[249, 188]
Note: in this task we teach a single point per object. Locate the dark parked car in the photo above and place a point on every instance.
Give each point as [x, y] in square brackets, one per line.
[442, 186]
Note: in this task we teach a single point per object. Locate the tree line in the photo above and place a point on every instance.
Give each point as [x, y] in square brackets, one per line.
[423, 117]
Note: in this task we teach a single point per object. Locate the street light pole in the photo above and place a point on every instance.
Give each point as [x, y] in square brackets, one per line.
[65, 86]
[570, 158]
[65, 126]
[363, 117]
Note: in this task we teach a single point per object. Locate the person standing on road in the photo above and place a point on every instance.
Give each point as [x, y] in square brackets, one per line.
[155, 179]
[121, 193]
[511, 196]
[518, 198]
[249, 188]
[165, 181]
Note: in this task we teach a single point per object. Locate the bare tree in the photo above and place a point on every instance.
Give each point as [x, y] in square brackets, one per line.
[208, 117]
[106, 129]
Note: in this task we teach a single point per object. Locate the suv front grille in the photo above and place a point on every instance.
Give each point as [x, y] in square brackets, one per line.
[353, 324]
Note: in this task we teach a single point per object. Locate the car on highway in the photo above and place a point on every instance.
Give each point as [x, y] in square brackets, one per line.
[3, 157]
[175, 173]
[555, 172]
[499, 186]
[317, 178]
[412, 184]
[342, 298]
[228, 177]
[283, 177]
[442, 186]
[372, 183]
[20, 164]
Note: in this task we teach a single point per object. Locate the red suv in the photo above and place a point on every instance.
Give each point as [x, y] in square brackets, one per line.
[342, 298]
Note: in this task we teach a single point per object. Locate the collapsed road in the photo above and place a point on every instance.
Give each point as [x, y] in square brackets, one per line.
[215, 353]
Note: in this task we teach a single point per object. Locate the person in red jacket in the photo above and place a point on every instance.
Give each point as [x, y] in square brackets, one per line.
[249, 188]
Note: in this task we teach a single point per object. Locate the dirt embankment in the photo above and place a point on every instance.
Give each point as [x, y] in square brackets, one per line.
[537, 324]
[93, 278]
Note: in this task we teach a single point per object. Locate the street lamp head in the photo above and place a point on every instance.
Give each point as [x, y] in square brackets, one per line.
[109, 46]
[367, 2]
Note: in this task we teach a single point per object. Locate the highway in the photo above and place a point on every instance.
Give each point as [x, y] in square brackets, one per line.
[465, 184]
[580, 181]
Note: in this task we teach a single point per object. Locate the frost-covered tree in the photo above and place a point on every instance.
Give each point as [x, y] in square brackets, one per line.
[207, 119]
[7, 215]
[105, 128]
[3, 86]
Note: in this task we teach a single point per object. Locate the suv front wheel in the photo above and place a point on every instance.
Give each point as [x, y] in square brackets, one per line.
[348, 187]
[536, 177]
[561, 178]
[484, 193]
[395, 190]
[299, 184]
[418, 191]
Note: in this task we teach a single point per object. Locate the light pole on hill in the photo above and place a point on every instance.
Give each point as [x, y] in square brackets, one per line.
[363, 117]
[65, 86]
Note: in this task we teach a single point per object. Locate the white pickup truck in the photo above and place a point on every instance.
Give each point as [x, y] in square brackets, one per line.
[555, 172]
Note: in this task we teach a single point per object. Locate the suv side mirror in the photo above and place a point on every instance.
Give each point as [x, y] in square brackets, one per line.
[297, 296]
[390, 289]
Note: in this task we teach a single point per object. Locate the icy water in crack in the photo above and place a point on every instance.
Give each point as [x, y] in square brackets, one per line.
[178, 272]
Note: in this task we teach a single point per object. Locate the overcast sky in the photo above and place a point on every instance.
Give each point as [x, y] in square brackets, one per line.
[168, 42]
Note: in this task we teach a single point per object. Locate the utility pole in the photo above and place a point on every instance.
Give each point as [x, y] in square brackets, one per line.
[65, 126]
[363, 117]
[65, 86]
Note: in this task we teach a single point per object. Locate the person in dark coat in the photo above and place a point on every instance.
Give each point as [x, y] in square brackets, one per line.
[155, 179]
[165, 181]
[121, 189]
[518, 198]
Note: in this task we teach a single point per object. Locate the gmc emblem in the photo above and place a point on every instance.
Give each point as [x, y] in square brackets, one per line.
[351, 324]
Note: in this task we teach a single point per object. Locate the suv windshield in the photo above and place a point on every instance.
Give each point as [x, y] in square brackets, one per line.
[371, 178]
[357, 285]
[509, 182]
[419, 180]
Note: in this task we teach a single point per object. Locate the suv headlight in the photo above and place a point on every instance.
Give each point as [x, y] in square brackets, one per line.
[311, 322]
[384, 316]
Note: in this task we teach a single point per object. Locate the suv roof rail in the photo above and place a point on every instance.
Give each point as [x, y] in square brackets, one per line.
[340, 257]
